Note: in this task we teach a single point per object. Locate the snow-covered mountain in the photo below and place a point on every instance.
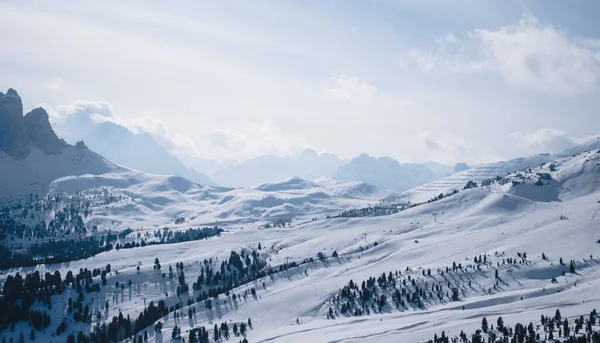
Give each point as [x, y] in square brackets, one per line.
[486, 172]
[442, 170]
[138, 151]
[123, 146]
[32, 156]
[388, 173]
[269, 168]
[383, 172]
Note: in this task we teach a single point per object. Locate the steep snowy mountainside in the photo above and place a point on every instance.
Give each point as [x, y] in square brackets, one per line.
[476, 174]
[35, 173]
[564, 178]
[591, 144]
[484, 172]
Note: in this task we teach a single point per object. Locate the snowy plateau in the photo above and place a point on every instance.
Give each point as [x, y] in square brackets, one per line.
[94, 251]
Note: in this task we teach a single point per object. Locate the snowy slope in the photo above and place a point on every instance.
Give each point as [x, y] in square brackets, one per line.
[33, 174]
[153, 200]
[476, 174]
[512, 216]
[491, 171]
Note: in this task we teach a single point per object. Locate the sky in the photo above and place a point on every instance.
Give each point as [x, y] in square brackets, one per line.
[436, 80]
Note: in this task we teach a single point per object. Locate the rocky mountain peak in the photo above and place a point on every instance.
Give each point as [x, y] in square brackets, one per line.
[40, 132]
[13, 135]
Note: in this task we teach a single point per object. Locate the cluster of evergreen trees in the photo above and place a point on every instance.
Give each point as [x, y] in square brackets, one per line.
[442, 196]
[583, 330]
[66, 250]
[404, 291]
[381, 209]
[412, 290]
[239, 268]
[220, 332]
[68, 214]
[279, 223]
[20, 293]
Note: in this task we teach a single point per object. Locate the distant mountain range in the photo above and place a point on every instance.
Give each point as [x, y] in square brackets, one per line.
[143, 152]
[387, 173]
[269, 168]
[383, 172]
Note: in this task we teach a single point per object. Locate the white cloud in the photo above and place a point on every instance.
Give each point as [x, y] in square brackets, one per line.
[351, 88]
[546, 140]
[529, 55]
[85, 108]
[450, 37]
[56, 84]
[255, 139]
[77, 120]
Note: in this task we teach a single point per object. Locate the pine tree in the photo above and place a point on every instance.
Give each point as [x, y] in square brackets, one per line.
[32, 335]
[216, 333]
[484, 325]
[500, 324]
[192, 337]
[557, 315]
